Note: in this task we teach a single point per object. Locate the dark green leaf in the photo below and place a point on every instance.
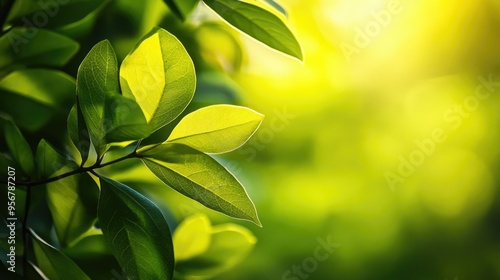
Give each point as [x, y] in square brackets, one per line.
[35, 273]
[51, 13]
[182, 8]
[96, 80]
[35, 47]
[20, 149]
[136, 232]
[276, 6]
[160, 76]
[48, 160]
[89, 246]
[125, 120]
[79, 133]
[73, 204]
[258, 23]
[54, 264]
[200, 177]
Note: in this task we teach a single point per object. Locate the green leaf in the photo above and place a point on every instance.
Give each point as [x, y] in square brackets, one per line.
[78, 132]
[49, 161]
[136, 232]
[44, 93]
[276, 6]
[96, 80]
[35, 47]
[88, 246]
[229, 245]
[160, 76]
[56, 12]
[217, 128]
[54, 264]
[73, 204]
[35, 273]
[258, 23]
[192, 237]
[19, 147]
[200, 177]
[125, 120]
[45, 86]
[182, 8]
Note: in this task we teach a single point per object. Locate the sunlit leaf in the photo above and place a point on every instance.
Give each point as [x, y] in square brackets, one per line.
[182, 8]
[35, 47]
[73, 204]
[44, 93]
[97, 78]
[20, 149]
[54, 264]
[258, 23]
[200, 177]
[192, 237]
[159, 75]
[49, 87]
[229, 245]
[217, 128]
[136, 232]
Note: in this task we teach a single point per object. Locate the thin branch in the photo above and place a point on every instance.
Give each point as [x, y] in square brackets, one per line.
[74, 172]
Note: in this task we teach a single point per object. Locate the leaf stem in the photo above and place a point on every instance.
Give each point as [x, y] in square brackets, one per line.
[79, 170]
[4, 12]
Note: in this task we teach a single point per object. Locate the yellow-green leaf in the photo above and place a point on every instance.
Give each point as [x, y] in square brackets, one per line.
[217, 128]
[160, 76]
[192, 237]
[230, 244]
[73, 204]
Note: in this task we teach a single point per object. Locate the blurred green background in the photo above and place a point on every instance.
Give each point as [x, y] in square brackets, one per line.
[357, 109]
[383, 142]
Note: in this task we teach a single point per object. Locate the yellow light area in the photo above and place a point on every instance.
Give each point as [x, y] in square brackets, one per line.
[362, 115]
